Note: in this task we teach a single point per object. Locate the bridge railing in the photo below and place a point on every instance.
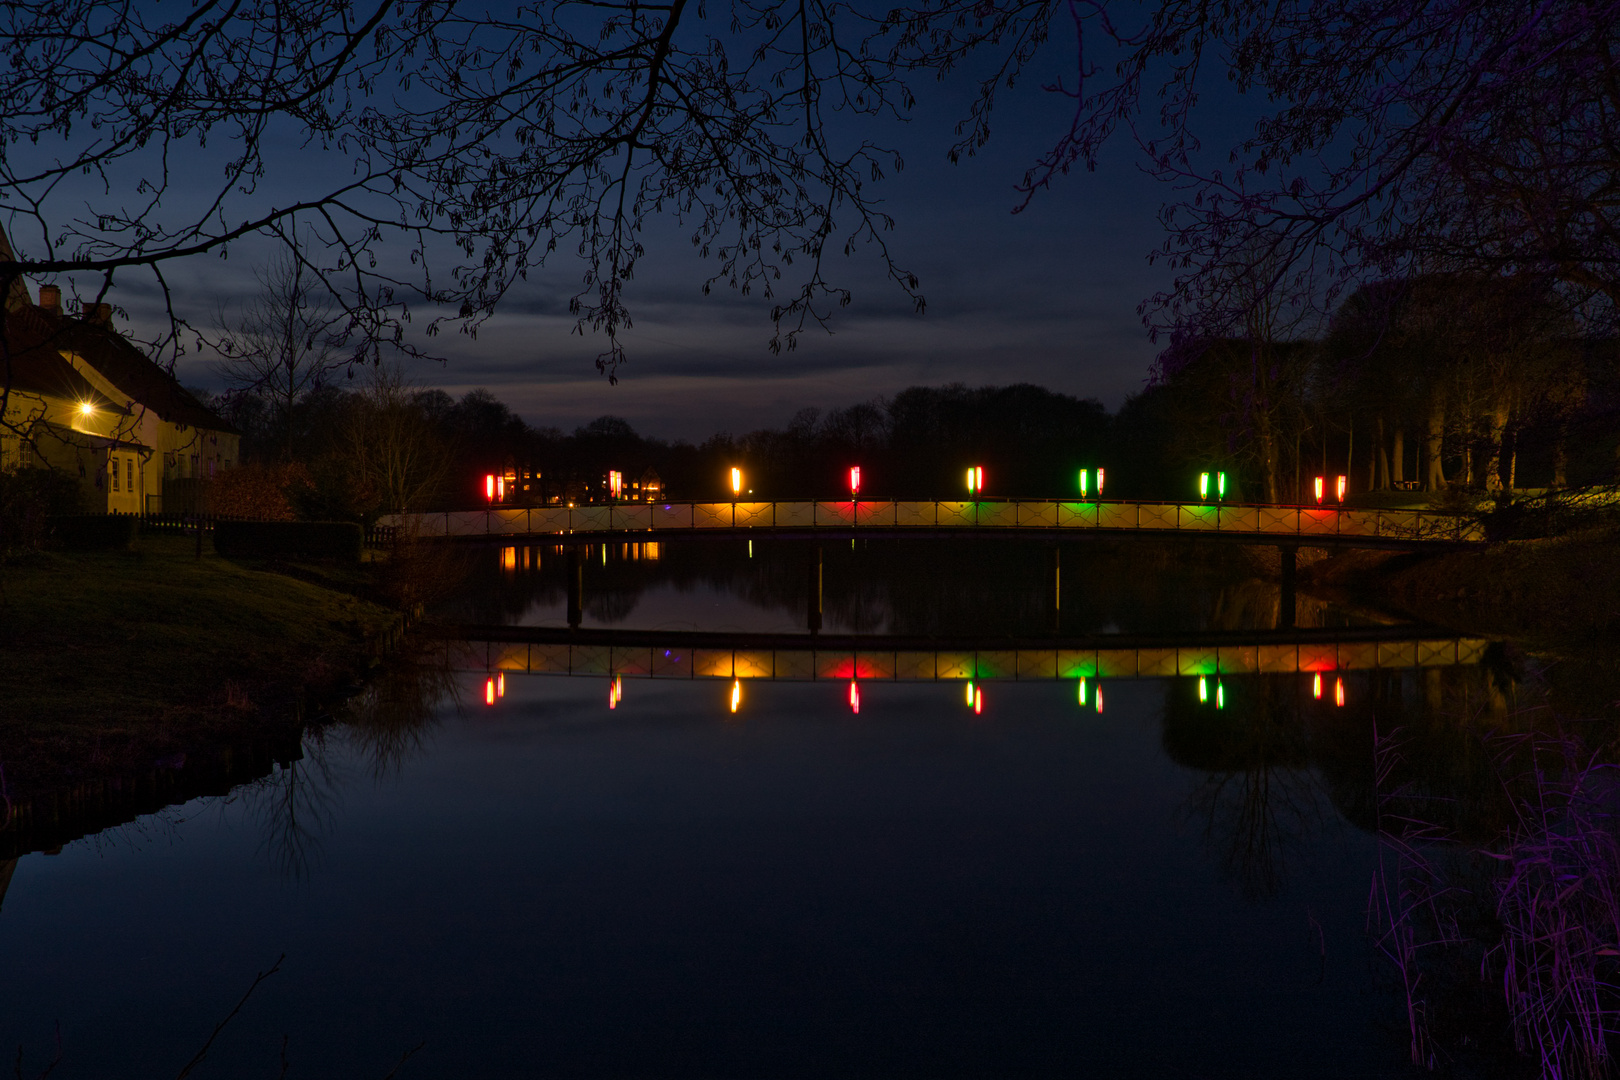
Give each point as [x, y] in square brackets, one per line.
[1304, 522]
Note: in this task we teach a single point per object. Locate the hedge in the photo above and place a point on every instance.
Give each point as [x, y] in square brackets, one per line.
[95, 532]
[267, 539]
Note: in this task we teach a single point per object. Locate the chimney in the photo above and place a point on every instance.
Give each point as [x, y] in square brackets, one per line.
[50, 298]
[96, 314]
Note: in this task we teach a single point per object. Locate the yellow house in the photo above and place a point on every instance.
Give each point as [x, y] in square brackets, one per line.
[82, 398]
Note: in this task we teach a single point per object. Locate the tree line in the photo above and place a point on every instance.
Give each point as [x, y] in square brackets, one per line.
[1459, 388]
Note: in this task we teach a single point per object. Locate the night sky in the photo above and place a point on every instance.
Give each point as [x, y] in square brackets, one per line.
[1047, 296]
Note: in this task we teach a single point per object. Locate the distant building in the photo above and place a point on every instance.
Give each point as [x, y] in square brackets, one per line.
[84, 399]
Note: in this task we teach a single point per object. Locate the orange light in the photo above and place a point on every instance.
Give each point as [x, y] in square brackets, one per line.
[978, 700]
[1338, 692]
[489, 486]
[500, 489]
[616, 692]
[736, 694]
[509, 558]
[1316, 686]
[1343, 487]
[1321, 484]
[500, 684]
[86, 409]
[736, 482]
[489, 691]
[854, 697]
[855, 480]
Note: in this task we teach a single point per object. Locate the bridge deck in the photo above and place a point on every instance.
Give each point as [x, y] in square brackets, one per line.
[1257, 523]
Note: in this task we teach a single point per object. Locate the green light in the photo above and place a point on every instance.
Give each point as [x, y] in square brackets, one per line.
[1203, 689]
[1220, 696]
[1203, 485]
[1082, 483]
[1082, 690]
[1220, 485]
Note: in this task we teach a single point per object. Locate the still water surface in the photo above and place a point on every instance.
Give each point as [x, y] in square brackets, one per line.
[551, 887]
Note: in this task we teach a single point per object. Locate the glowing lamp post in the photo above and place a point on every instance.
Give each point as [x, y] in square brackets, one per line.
[615, 483]
[489, 487]
[854, 481]
[736, 483]
[1342, 488]
[975, 480]
[1204, 485]
[1321, 486]
[1085, 483]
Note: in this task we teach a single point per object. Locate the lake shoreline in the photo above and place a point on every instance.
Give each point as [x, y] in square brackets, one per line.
[124, 664]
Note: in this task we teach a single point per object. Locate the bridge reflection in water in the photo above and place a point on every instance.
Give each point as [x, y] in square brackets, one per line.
[648, 654]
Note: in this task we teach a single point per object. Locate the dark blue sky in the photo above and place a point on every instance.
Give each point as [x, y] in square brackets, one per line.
[1048, 296]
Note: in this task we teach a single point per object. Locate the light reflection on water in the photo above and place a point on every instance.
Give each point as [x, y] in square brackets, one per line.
[609, 876]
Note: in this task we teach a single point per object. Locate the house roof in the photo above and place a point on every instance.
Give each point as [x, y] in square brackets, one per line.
[37, 365]
[41, 337]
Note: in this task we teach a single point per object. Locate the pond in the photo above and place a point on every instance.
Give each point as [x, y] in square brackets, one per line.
[598, 876]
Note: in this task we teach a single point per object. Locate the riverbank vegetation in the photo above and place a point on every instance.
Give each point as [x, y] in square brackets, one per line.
[115, 660]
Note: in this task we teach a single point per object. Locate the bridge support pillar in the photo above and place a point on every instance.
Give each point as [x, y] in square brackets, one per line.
[1055, 571]
[1286, 613]
[813, 607]
[576, 587]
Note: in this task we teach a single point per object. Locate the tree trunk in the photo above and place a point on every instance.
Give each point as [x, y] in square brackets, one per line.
[1494, 448]
[1435, 480]
[1380, 473]
[1398, 456]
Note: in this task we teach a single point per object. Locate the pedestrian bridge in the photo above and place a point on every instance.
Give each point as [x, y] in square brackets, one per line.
[1251, 523]
[801, 657]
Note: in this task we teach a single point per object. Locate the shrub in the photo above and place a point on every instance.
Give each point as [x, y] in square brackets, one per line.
[95, 532]
[265, 492]
[274, 539]
[29, 499]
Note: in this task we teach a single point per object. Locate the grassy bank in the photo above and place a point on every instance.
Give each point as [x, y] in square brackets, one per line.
[113, 661]
[1560, 592]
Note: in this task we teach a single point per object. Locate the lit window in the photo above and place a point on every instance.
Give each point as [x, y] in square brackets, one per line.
[129, 474]
[113, 472]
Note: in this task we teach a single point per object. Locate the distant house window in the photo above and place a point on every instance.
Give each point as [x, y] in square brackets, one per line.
[114, 473]
[129, 474]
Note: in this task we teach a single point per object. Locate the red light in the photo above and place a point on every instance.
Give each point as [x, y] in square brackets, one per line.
[1343, 487]
[855, 698]
[1321, 485]
[489, 691]
[978, 700]
[855, 480]
[500, 489]
[489, 486]
[1338, 692]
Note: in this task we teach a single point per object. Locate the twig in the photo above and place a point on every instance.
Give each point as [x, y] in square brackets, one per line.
[403, 1058]
[219, 1027]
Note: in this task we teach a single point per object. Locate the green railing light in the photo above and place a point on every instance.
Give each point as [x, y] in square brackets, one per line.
[1203, 689]
[1082, 696]
[1220, 695]
[1220, 485]
[1083, 478]
[1203, 485]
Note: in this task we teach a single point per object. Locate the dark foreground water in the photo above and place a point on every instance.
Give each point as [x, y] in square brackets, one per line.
[550, 887]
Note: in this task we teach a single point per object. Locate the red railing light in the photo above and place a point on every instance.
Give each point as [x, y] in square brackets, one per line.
[1321, 488]
[489, 486]
[855, 480]
[1343, 487]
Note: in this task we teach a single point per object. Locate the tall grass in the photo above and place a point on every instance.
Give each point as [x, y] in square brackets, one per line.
[1558, 901]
